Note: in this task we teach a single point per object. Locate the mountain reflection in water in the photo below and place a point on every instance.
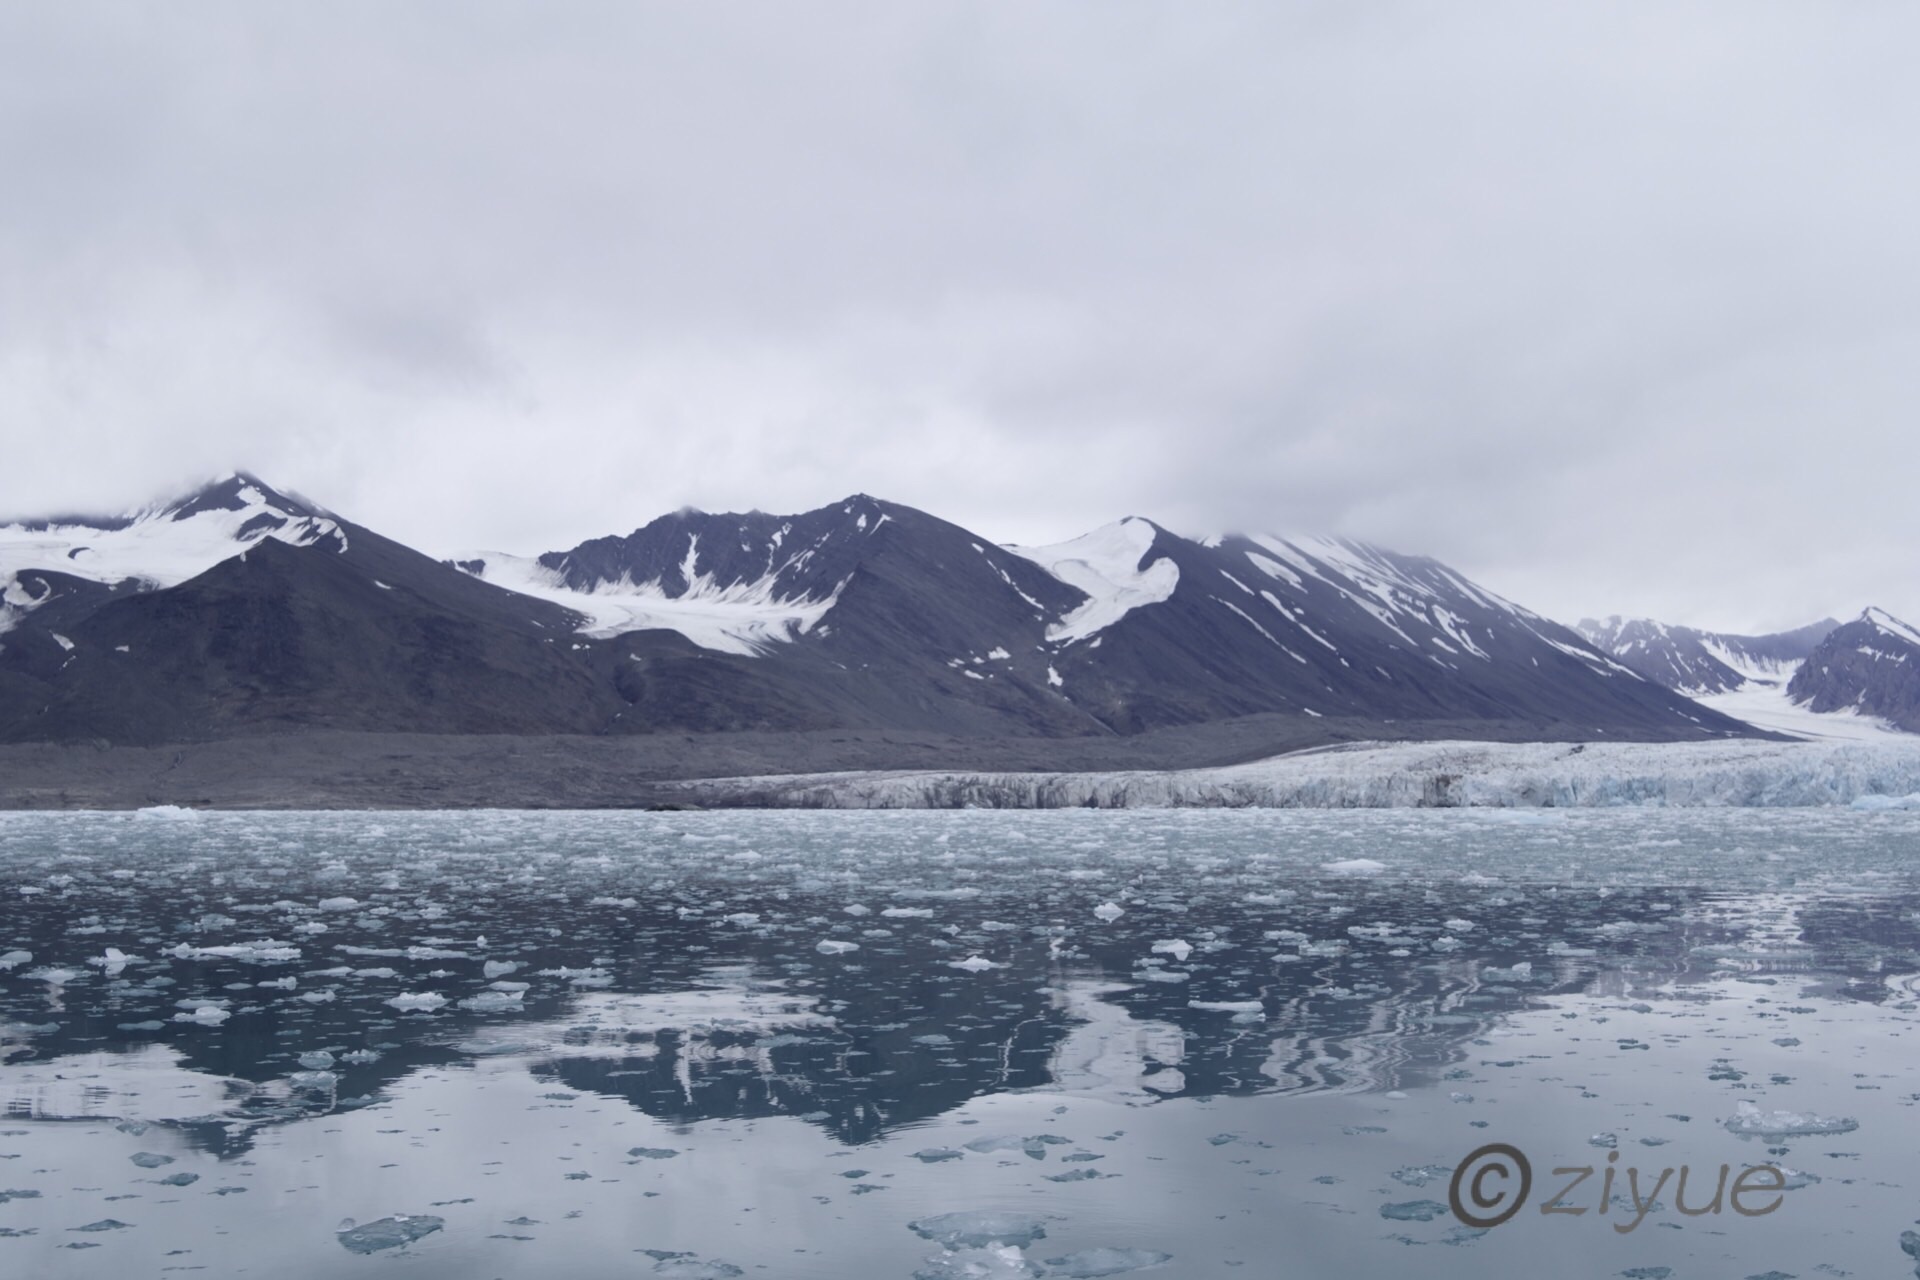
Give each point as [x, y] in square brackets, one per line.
[676, 962]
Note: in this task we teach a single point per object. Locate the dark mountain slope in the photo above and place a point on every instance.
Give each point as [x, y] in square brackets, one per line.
[365, 635]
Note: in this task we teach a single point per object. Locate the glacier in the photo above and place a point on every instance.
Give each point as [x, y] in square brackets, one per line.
[1372, 775]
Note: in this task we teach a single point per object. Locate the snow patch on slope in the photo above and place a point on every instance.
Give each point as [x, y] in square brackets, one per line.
[1105, 564]
[1886, 622]
[746, 618]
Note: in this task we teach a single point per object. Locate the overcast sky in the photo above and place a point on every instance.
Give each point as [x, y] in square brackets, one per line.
[1614, 306]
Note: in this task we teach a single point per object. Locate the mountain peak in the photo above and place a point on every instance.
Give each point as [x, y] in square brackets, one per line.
[237, 491]
[1881, 620]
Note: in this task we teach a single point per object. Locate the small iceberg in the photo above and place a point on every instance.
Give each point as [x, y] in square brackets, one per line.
[1752, 1122]
[388, 1233]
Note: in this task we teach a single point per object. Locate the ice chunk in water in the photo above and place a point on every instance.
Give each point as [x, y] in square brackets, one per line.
[995, 1262]
[1413, 1210]
[829, 947]
[494, 1002]
[974, 964]
[387, 1233]
[1109, 912]
[1088, 1263]
[56, 974]
[1420, 1175]
[427, 1001]
[207, 1015]
[978, 1228]
[1178, 948]
[14, 959]
[695, 1269]
[1751, 1121]
[149, 1159]
[113, 961]
[1354, 867]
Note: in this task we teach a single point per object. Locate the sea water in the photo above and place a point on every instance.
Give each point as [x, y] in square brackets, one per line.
[959, 1044]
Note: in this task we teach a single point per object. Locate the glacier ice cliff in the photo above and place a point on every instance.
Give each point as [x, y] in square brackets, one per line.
[1875, 775]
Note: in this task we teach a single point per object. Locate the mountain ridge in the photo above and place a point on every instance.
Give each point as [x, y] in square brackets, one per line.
[240, 608]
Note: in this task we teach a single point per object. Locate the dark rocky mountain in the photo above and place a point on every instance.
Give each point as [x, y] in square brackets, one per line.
[1704, 662]
[1870, 666]
[1327, 627]
[241, 610]
[307, 622]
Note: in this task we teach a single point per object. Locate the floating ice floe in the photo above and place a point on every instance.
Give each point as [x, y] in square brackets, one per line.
[830, 947]
[1178, 948]
[980, 1228]
[114, 960]
[1354, 867]
[974, 964]
[592, 976]
[1751, 1121]
[1090, 1263]
[425, 1001]
[54, 975]
[387, 1233]
[167, 813]
[259, 951]
[206, 1015]
[995, 1262]
[494, 1002]
[691, 1268]
[1109, 912]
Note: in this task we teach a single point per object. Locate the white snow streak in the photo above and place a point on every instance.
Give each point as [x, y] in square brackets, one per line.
[1106, 565]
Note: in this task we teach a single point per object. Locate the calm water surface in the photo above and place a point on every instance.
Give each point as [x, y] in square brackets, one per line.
[973, 1044]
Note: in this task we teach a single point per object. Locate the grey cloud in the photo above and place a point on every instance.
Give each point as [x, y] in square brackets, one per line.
[1609, 306]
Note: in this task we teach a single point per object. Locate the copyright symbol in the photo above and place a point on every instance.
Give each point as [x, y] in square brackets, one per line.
[1499, 1164]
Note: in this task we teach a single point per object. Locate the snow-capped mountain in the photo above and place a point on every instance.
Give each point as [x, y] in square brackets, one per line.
[46, 561]
[1127, 628]
[1704, 662]
[239, 609]
[1868, 667]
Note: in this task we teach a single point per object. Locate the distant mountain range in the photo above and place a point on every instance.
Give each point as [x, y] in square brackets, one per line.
[239, 610]
[1704, 662]
[1826, 679]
